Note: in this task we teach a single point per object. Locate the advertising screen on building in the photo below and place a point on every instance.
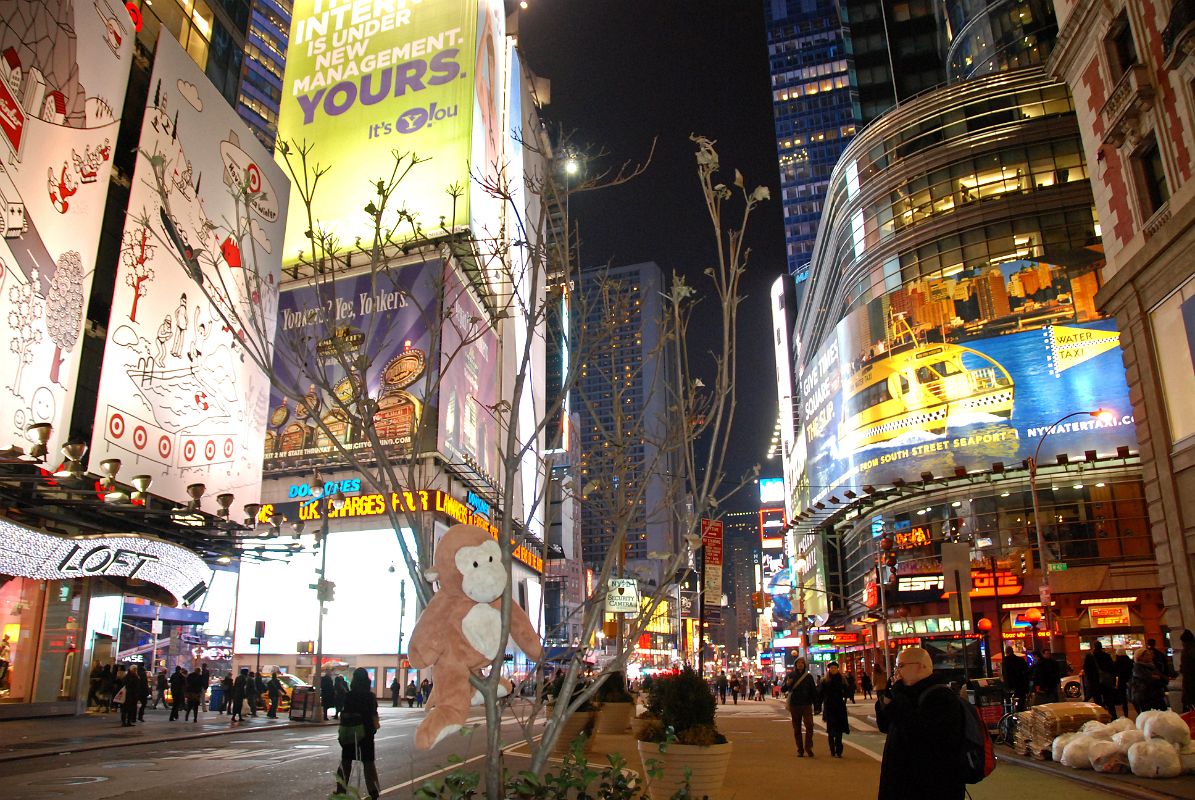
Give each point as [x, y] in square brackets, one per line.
[469, 380]
[961, 372]
[181, 396]
[326, 324]
[366, 79]
[771, 491]
[64, 67]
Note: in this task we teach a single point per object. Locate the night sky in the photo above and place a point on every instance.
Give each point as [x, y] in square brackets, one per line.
[623, 72]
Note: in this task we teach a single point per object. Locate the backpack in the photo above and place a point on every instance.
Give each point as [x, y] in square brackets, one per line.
[977, 755]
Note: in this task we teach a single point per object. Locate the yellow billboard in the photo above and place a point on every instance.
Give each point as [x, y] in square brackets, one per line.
[368, 78]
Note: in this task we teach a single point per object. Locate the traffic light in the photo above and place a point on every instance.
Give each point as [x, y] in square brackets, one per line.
[757, 601]
[325, 590]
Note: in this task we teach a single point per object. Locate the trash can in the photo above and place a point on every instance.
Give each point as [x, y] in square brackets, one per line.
[217, 700]
[987, 695]
[303, 704]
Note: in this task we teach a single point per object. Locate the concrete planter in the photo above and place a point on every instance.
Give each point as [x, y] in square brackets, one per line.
[707, 767]
[581, 721]
[614, 717]
[637, 725]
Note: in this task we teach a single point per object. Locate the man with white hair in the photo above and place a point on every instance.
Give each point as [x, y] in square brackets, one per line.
[924, 722]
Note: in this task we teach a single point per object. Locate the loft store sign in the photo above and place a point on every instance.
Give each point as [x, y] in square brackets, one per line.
[28, 553]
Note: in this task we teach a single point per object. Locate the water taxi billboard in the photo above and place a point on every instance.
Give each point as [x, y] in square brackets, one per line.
[962, 372]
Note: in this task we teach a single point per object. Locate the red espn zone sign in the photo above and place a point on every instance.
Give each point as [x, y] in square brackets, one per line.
[983, 584]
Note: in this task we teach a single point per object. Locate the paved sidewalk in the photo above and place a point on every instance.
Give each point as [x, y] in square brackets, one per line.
[32, 738]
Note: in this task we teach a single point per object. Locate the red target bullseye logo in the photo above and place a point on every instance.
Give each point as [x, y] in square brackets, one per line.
[209, 450]
[116, 426]
[229, 447]
[189, 450]
[164, 447]
[254, 175]
[140, 437]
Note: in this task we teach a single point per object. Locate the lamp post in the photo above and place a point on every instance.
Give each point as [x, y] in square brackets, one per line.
[1043, 558]
[335, 502]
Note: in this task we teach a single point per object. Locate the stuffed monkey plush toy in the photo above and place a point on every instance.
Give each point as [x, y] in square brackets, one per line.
[458, 632]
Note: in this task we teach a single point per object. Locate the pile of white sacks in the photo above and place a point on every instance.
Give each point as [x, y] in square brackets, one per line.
[1158, 746]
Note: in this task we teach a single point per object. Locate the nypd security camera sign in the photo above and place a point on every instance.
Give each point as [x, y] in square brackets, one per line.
[623, 596]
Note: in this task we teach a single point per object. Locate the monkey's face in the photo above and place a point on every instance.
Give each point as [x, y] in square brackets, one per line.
[482, 575]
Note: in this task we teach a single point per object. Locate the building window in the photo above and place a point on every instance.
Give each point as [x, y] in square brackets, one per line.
[1122, 53]
[1151, 177]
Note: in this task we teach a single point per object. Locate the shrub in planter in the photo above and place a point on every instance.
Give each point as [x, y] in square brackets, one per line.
[617, 704]
[683, 742]
[579, 724]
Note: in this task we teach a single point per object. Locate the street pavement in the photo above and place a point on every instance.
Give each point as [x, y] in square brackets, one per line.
[93, 758]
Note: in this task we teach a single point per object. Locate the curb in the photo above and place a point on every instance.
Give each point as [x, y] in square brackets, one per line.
[1088, 778]
[158, 739]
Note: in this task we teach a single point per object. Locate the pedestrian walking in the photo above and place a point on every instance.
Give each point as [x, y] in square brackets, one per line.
[1046, 677]
[256, 688]
[395, 689]
[341, 692]
[425, 691]
[736, 686]
[359, 722]
[1161, 660]
[226, 694]
[142, 692]
[239, 688]
[274, 692]
[1015, 670]
[195, 691]
[800, 702]
[849, 679]
[129, 696]
[206, 675]
[832, 694]
[865, 685]
[1124, 677]
[178, 692]
[161, 683]
[1099, 677]
[120, 677]
[1186, 669]
[924, 723]
[94, 682]
[1147, 689]
[879, 679]
[411, 693]
[327, 693]
[722, 684]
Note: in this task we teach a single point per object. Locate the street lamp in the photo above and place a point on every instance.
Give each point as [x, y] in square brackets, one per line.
[1043, 558]
[335, 502]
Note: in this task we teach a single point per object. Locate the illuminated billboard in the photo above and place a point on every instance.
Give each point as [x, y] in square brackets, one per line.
[961, 372]
[366, 79]
[64, 67]
[468, 388]
[771, 491]
[181, 397]
[322, 326]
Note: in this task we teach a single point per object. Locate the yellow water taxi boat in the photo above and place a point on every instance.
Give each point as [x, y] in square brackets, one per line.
[915, 386]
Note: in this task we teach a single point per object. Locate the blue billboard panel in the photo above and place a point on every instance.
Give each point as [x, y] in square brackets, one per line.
[962, 373]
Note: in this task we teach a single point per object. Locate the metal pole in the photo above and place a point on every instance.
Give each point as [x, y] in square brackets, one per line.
[887, 640]
[319, 637]
[958, 593]
[701, 613]
[402, 607]
[258, 656]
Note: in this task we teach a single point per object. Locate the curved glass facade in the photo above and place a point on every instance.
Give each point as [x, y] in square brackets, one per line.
[987, 36]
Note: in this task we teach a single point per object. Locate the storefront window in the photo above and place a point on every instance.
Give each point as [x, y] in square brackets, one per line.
[60, 656]
[20, 616]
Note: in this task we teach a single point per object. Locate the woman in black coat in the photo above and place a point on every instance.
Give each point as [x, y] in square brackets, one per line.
[832, 693]
[358, 724]
[1147, 689]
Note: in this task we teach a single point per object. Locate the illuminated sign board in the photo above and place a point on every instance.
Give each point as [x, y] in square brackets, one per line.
[303, 490]
[912, 538]
[771, 528]
[28, 553]
[63, 76]
[372, 505]
[924, 588]
[771, 491]
[178, 396]
[479, 504]
[837, 638]
[986, 337]
[365, 79]
[1108, 616]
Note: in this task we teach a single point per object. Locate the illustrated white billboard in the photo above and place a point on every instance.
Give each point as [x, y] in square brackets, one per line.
[181, 396]
[64, 67]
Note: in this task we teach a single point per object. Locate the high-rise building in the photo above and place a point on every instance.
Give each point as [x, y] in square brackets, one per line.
[260, 91]
[1130, 65]
[620, 401]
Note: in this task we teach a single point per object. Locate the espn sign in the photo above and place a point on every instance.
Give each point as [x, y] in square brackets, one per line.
[924, 588]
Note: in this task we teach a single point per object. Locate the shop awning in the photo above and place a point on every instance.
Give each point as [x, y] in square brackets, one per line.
[168, 615]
